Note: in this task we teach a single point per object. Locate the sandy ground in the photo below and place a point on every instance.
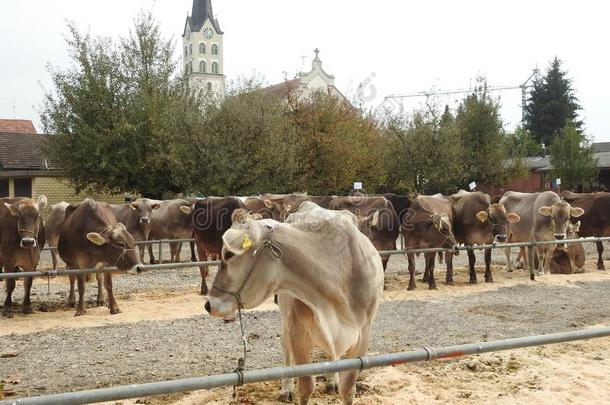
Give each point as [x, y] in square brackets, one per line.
[161, 311]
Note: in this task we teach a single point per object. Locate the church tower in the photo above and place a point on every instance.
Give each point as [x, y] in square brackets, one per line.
[203, 50]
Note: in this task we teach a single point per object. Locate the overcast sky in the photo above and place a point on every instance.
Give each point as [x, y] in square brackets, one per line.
[394, 46]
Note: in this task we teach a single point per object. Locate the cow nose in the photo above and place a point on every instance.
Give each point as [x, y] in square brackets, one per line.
[560, 236]
[208, 307]
[145, 220]
[501, 238]
[28, 243]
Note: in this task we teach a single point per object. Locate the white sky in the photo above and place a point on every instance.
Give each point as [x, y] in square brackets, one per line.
[404, 46]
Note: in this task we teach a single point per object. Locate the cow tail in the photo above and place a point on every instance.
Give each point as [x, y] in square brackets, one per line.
[440, 257]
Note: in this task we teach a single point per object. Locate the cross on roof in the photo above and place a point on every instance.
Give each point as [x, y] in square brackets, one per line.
[316, 51]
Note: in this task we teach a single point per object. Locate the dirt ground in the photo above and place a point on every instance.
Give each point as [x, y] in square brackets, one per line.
[163, 333]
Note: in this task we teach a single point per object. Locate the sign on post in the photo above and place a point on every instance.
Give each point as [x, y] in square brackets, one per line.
[357, 185]
[472, 186]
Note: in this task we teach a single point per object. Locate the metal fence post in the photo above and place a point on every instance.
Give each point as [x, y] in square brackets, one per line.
[160, 252]
[530, 258]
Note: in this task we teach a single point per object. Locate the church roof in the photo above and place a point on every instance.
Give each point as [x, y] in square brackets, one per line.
[22, 152]
[17, 126]
[202, 11]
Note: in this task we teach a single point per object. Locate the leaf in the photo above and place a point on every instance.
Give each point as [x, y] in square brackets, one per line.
[12, 379]
[8, 354]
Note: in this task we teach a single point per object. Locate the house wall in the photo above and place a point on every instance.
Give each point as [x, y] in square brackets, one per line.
[533, 182]
[57, 190]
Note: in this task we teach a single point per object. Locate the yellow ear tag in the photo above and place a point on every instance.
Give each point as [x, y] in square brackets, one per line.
[247, 243]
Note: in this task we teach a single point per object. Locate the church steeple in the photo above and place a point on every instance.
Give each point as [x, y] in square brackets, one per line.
[202, 11]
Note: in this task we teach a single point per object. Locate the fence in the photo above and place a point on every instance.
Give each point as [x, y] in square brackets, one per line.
[246, 377]
[145, 267]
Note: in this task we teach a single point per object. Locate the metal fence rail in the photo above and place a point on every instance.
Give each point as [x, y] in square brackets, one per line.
[247, 377]
[144, 267]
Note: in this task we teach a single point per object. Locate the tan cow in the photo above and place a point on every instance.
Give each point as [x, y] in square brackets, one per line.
[568, 259]
[544, 217]
[328, 276]
[136, 216]
[53, 227]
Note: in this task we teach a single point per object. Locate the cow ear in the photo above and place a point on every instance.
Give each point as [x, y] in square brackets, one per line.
[256, 216]
[482, 216]
[374, 218]
[240, 216]
[41, 202]
[513, 217]
[577, 227]
[237, 241]
[545, 211]
[122, 226]
[187, 209]
[268, 204]
[133, 206]
[155, 206]
[576, 212]
[96, 238]
[12, 208]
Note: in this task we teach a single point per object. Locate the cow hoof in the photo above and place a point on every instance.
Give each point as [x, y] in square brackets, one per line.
[286, 397]
[114, 311]
[449, 282]
[80, 313]
[204, 291]
[7, 312]
[27, 310]
[432, 287]
[473, 282]
[71, 303]
[100, 303]
[489, 279]
[601, 267]
[410, 288]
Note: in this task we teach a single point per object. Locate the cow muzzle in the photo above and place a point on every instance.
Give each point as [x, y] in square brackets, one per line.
[27, 243]
[134, 270]
[145, 220]
[560, 236]
[500, 238]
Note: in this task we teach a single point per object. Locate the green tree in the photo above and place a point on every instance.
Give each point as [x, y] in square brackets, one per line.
[106, 112]
[551, 104]
[521, 143]
[572, 158]
[481, 132]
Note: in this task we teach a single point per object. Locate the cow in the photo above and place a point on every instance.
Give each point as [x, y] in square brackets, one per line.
[378, 220]
[172, 220]
[596, 219]
[136, 217]
[328, 276]
[90, 236]
[282, 205]
[53, 227]
[401, 204]
[478, 222]
[429, 224]
[544, 217]
[322, 200]
[211, 219]
[570, 258]
[256, 205]
[22, 237]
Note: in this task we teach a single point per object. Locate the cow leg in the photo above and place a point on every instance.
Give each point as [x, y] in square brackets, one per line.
[151, 255]
[449, 262]
[177, 252]
[82, 282]
[600, 260]
[54, 258]
[193, 255]
[114, 307]
[540, 251]
[301, 345]
[472, 259]
[27, 303]
[488, 276]
[141, 249]
[100, 289]
[8, 301]
[509, 265]
[71, 297]
[430, 270]
[411, 260]
[287, 393]
[203, 270]
[347, 379]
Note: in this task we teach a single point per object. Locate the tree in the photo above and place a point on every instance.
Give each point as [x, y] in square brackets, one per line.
[521, 143]
[551, 104]
[572, 158]
[106, 112]
[482, 136]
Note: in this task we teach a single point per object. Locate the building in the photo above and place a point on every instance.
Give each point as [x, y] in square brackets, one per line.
[24, 172]
[308, 83]
[17, 126]
[203, 50]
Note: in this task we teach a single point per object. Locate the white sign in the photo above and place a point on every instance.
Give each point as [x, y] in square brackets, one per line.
[558, 182]
[358, 185]
[472, 186]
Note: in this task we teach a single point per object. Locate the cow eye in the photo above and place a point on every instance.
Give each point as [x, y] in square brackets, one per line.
[228, 255]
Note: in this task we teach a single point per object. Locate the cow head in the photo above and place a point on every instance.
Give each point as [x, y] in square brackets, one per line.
[144, 207]
[116, 247]
[368, 223]
[498, 219]
[559, 214]
[249, 256]
[27, 213]
[441, 234]
[279, 209]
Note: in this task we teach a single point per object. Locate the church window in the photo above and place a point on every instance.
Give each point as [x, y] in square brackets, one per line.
[191, 49]
[215, 68]
[201, 48]
[202, 67]
[209, 86]
[214, 49]
[186, 51]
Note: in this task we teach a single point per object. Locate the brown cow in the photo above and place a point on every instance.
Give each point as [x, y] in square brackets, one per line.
[282, 205]
[429, 224]
[596, 219]
[256, 205]
[478, 222]
[173, 220]
[568, 259]
[377, 220]
[91, 235]
[321, 200]
[53, 227]
[136, 217]
[22, 238]
[211, 219]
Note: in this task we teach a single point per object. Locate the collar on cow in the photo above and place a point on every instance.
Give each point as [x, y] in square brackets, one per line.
[33, 233]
